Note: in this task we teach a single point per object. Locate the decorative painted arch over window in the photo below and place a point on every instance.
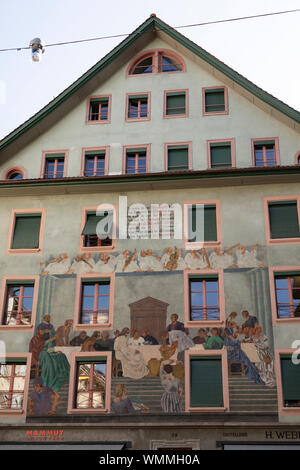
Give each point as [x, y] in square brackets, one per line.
[14, 173]
[156, 61]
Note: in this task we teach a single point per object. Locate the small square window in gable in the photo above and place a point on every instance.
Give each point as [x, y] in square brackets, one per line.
[99, 109]
[215, 101]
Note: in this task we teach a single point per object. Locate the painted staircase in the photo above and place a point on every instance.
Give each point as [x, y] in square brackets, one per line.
[247, 396]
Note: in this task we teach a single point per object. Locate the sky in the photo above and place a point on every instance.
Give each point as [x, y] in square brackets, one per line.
[265, 50]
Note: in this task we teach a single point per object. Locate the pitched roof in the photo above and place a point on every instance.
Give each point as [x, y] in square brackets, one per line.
[155, 24]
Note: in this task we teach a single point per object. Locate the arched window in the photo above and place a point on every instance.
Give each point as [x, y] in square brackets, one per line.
[297, 158]
[156, 61]
[14, 173]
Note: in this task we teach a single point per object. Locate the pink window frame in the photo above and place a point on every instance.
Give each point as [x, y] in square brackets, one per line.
[98, 249]
[282, 410]
[231, 141]
[263, 139]
[99, 121]
[272, 271]
[156, 54]
[78, 297]
[278, 241]
[72, 384]
[188, 323]
[187, 362]
[171, 116]
[94, 149]
[3, 295]
[27, 361]
[16, 169]
[197, 245]
[214, 113]
[24, 251]
[132, 148]
[147, 95]
[297, 158]
[45, 154]
[178, 144]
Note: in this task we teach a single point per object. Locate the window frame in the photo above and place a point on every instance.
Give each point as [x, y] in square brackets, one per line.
[230, 141]
[263, 139]
[27, 361]
[97, 249]
[176, 92]
[24, 251]
[188, 323]
[273, 270]
[276, 241]
[215, 113]
[12, 169]
[98, 121]
[78, 298]
[156, 54]
[197, 245]
[45, 154]
[282, 410]
[147, 95]
[187, 362]
[73, 383]
[178, 144]
[105, 149]
[131, 148]
[3, 296]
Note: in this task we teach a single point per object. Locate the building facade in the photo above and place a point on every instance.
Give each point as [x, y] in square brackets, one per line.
[150, 258]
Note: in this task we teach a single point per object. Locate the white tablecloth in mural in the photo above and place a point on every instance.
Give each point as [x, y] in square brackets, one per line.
[152, 352]
[249, 349]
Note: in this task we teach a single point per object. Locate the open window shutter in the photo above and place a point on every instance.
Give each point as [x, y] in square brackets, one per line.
[220, 156]
[284, 221]
[27, 232]
[178, 158]
[214, 100]
[290, 374]
[206, 381]
[92, 221]
[175, 104]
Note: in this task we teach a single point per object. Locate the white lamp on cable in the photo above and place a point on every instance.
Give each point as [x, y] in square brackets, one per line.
[37, 47]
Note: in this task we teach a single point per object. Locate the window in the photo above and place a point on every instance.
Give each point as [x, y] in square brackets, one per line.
[90, 383]
[136, 159]
[104, 222]
[282, 220]
[287, 287]
[138, 107]
[178, 157]
[202, 224]
[14, 173]
[215, 100]
[265, 152]
[26, 230]
[95, 162]
[175, 103]
[221, 153]
[297, 158]
[288, 382]
[54, 166]
[206, 381]
[204, 298]
[94, 301]
[98, 109]
[14, 378]
[157, 61]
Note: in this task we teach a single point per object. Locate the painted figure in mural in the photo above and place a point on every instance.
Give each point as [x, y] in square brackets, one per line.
[55, 368]
[121, 404]
[126, 262]
[214, 341]
[167, 350]
[250, 320]
[82, 264]
[247, 332]
[175, 324]
[105, 264]
[148, 338]
[89, 344]
[197, 259]
[136, 339]
[183, 342]
[201, 336]
[80, 339]
[59, 265]
[46, 327]
[221, 260]
[235, 353]
[148, 261]
[42, 400]
[62, 334]
[246, 258]
[266, 364]
[172, 261]
[131, 358]
[104, 343]
[36, 346]
[171, 398]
